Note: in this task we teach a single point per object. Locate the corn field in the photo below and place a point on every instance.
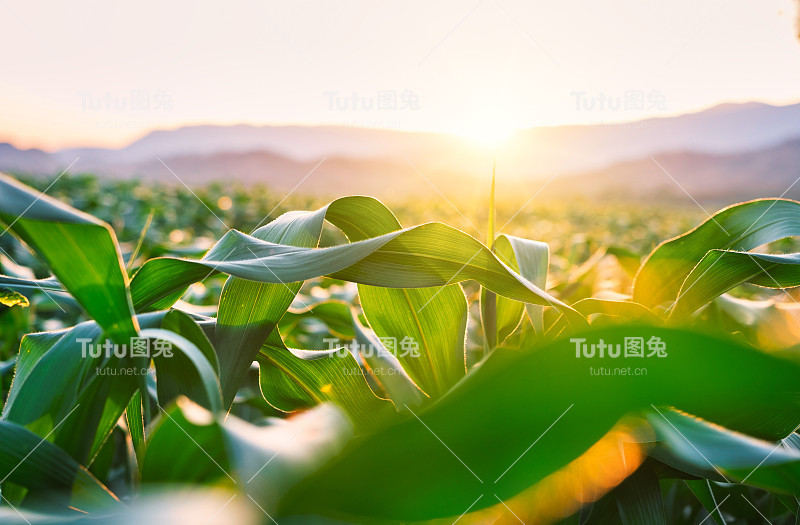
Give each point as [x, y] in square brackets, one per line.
[335, 366]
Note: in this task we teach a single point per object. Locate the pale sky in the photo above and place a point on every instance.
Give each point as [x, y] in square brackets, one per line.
[104, 73]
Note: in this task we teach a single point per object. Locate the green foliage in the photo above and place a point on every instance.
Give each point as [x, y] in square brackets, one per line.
[333, 365]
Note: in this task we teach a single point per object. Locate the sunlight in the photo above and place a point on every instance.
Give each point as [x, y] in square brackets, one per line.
[489, 134]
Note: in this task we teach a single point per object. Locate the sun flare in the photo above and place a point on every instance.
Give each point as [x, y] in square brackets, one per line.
[491, 134]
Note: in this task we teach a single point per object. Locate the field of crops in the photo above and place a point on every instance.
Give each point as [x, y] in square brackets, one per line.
[230, 355]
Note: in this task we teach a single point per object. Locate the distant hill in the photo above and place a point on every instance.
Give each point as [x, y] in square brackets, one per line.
[732, 147]
[302, 143]
[28, 161]
[728, 128]
[337, 175]
[770, 172]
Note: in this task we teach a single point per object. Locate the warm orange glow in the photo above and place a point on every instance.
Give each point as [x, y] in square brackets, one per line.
[601, 468]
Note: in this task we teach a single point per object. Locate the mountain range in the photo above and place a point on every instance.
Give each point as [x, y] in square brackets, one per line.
[731, 150]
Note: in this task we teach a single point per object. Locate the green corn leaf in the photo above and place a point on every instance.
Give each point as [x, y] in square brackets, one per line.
[249, 310]
[32, 348]
[629, 260]
[28, 287]
[298, 379]
[84, 256]
[531, 259]
[185, 445]
[601, 512]
[639, 499]
[56, 388]
[426, 327]
[624, 311]
[11, 298]
[81, 251]
[270, 459]
[384, 369]
[252, 305]
[500, 316]
[31, 285]
[490, 316]
[134, 417]
[710, 451]
[757, 394]
[720, 271]
[56, 385]
[424, 256]
[193, 370]
[741, 227]
[431, 321]
[48, 472]
[97, 411]
[770, 325]
[186, 371]
[704, 493]
[262, 461]
[50, 373]
[334, 313]
[168, 507]
[190, 328]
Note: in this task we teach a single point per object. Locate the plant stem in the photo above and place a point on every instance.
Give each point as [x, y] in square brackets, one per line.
[489, 306]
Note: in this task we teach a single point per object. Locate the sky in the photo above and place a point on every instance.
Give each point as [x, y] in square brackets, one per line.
[94, 73]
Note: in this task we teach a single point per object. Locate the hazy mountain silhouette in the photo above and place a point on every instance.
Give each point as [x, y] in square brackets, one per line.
[728, 128]
[770, 172]
[726, 148]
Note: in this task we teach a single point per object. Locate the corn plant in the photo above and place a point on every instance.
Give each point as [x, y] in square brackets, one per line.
[232, 420]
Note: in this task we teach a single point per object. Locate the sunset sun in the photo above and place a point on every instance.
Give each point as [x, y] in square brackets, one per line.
[491, 133]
